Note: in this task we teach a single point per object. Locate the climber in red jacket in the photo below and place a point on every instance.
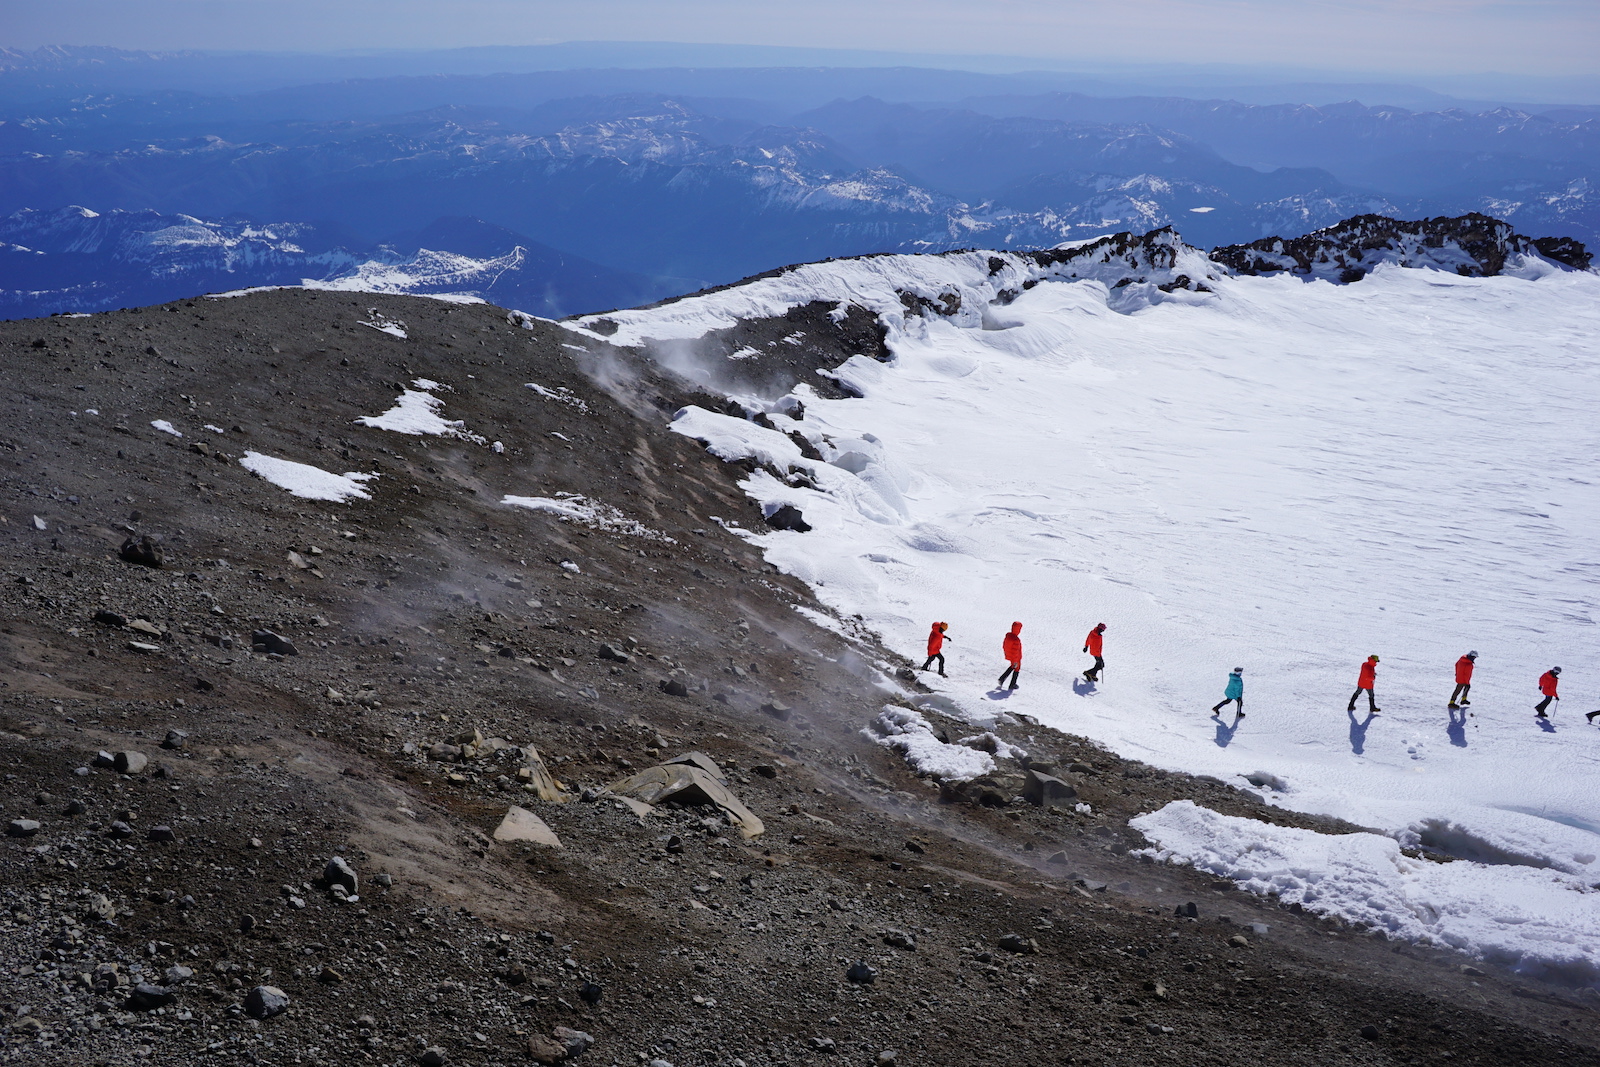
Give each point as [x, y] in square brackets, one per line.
[1547, 686]
[1092, 645]
[936, 640]
[1458, 699]
[1012, 647]
[1369, 677]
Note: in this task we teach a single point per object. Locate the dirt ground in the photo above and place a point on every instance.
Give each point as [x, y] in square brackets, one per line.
[454, 656]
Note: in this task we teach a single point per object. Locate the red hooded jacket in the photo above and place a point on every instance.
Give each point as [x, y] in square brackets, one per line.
[1013, 645]
[936, 639]
[1369, 675]
[1095, 641]
[1547, 684]
[1464, 670]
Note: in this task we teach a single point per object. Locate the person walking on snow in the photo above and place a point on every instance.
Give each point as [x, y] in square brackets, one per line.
[1369, 678]
[1458, 698]
[1012, 647]
[936, 640]
[1234, 693]
[1092, 645]
[1547, 686]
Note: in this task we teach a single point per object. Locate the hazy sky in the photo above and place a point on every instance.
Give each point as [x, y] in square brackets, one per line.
[1393, 37]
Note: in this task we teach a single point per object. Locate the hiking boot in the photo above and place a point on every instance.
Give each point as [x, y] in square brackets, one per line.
[1453, 707]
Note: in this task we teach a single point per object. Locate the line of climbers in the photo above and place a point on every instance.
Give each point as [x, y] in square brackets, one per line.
[1366, 681]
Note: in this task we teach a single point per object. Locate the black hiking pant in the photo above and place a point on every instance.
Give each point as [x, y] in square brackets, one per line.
[1545, 703]
[1462, 689]
[1372, 701]
[1231, 700]
[936, 656]
[1013, 672]
[1093, 673]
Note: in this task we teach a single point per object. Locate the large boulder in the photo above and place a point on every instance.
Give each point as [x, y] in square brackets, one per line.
[545, 785]
[701, 760]
[686, 783]
[520, 824]
[1047, 791]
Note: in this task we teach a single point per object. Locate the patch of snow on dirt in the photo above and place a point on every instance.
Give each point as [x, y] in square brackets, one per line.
[591, 513]
[908, 733]
[416, 412]
[304, 480]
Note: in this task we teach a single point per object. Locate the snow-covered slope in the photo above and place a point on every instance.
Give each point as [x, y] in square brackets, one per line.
[1275, 471]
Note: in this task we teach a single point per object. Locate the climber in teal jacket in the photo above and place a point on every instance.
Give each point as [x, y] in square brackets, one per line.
[1234, 693]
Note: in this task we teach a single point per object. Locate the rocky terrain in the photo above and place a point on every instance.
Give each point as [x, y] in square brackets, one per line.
[392, 780]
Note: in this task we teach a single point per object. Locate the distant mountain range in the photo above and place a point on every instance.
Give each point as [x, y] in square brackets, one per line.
[74, 259]
[624, 198]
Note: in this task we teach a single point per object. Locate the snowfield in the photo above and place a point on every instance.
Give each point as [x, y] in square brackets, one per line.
[1279, 474]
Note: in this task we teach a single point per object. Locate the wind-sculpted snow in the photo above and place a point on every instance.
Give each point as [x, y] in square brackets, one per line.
[1538, 921]
[1276, 472]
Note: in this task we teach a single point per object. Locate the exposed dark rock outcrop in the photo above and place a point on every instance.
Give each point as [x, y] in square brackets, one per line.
[1471, 245]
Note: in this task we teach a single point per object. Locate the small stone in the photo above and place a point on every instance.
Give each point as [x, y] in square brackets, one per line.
[590, 993]
[340, 873]
[1239, 941]
[385, 880]
[777, 709]
[861, 973]
[329, 976]
[120, 831]
[1025, 946]
[265, 1001]
[99, 906]
[900, 939]
[22, 828]
[547, 1050]
[110, 618]
[272, 643]
[616, 655]
[247, 923]
[1471, 971]
[1370, 1032]
[175, 739]
[147, 997]
[888, 1057]
[788, 517]
[674, 688]
[177, 975]
[130, 762]
[576, 1041]
[1189, 910]
[433, 1056]
[144, 551]
[162, 834]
